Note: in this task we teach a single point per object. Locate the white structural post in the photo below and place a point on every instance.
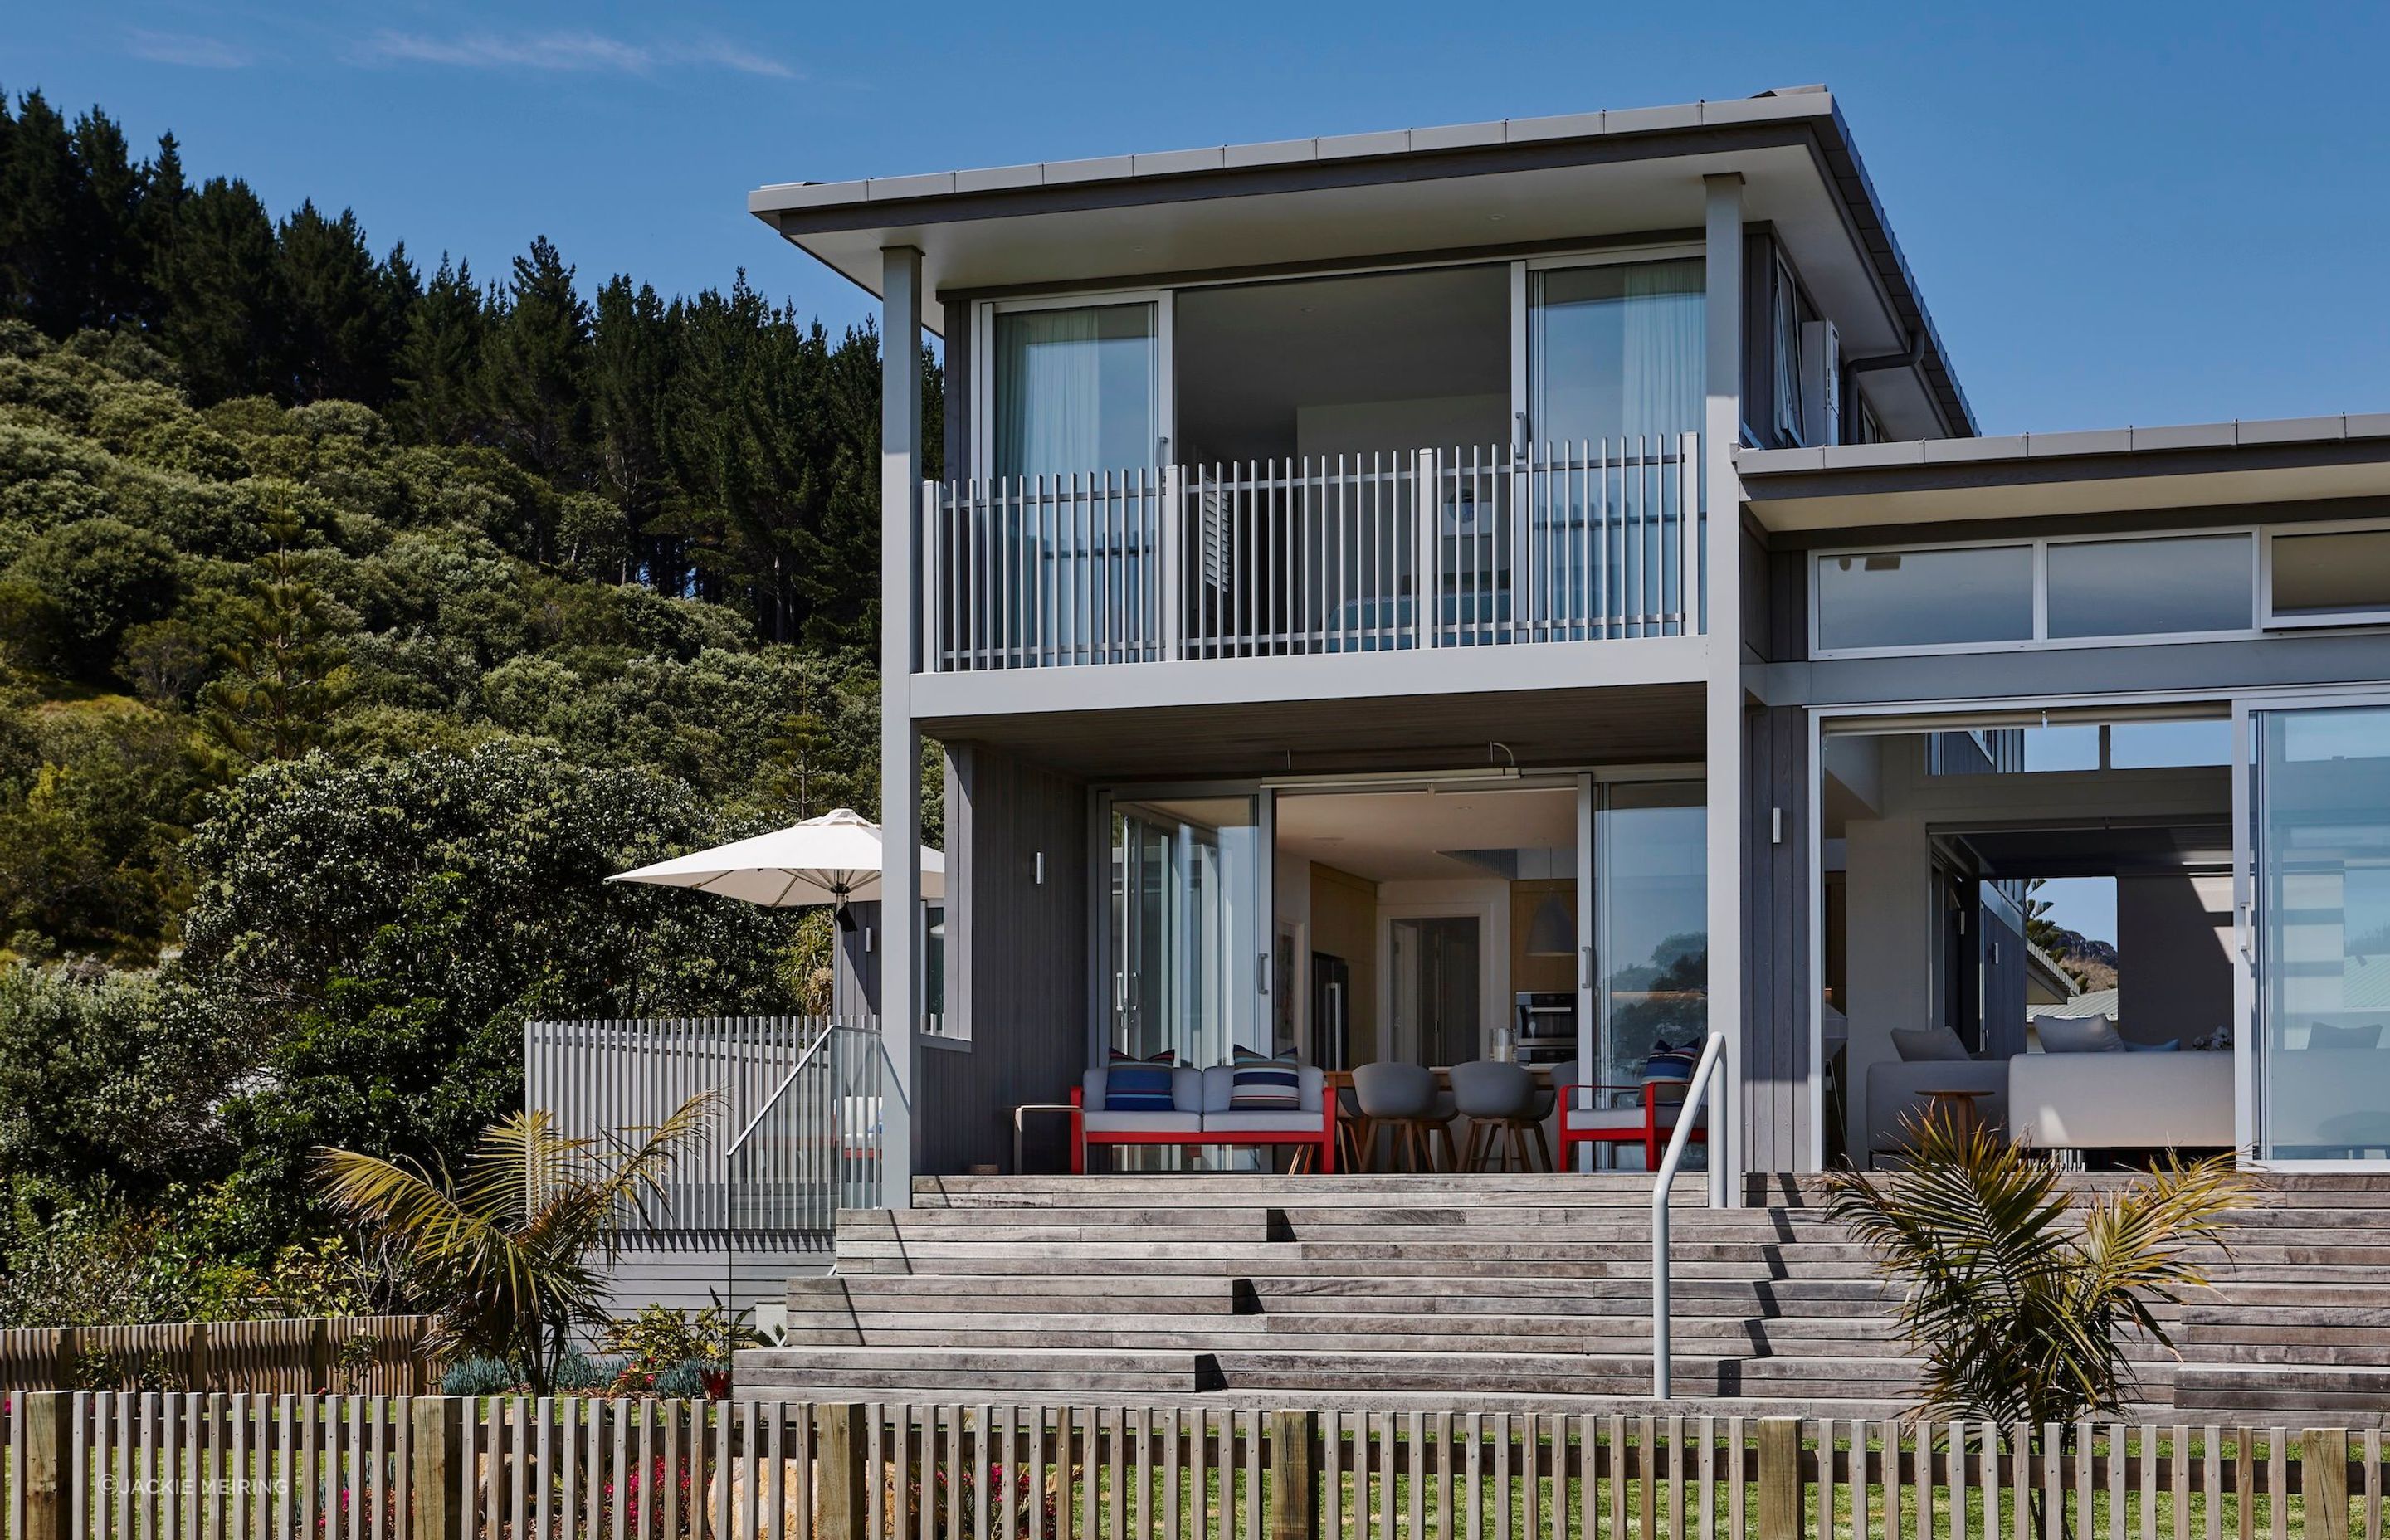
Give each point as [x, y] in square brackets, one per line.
[900, 743]
[1721, 430]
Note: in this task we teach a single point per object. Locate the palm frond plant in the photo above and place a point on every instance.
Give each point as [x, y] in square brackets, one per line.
[512, 1250]
[2017, 1297]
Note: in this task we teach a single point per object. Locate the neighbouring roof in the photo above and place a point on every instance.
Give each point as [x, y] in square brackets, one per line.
[1816, 188]
[2095, 1002]
[2115, 470]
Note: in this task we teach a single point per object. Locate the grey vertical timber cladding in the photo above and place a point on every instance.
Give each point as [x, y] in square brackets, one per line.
[1017, 950]
[1777, 1112]
[855, 965]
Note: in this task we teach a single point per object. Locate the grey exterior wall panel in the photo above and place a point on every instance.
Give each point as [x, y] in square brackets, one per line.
[855, 965]
[1017, 954]
[1777, 1117]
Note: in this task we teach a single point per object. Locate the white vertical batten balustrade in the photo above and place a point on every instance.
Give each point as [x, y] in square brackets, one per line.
[1477, 546]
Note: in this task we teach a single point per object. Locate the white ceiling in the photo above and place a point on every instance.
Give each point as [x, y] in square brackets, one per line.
[1396, 836]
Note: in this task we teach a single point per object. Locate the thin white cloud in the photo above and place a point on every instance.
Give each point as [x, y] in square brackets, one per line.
[564, 52]
[194, 53]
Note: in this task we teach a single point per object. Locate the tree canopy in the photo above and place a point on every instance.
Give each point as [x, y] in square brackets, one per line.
[355, 622]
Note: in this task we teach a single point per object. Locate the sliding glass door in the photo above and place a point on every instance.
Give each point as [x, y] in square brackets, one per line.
[2315, 929]
[1650, 975]
[1186, 934]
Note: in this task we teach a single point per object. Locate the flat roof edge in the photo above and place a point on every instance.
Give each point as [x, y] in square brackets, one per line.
[1792, 105]
[2099, 443]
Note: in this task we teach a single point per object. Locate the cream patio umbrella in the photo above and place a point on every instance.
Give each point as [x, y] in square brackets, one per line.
[834, 859]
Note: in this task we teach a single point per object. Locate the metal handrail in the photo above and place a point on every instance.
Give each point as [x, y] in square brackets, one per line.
[1663, 1181]
[778, 1091]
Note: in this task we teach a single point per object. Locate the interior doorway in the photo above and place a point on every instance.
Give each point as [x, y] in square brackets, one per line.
[1435, 966]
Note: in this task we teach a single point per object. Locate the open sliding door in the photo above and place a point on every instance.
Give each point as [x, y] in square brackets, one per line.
[1187, 937]
[2311, 788]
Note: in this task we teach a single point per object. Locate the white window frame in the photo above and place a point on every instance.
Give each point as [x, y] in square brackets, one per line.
[1785, 332]
[2268, 620]
[982, 380]
[2040, 640]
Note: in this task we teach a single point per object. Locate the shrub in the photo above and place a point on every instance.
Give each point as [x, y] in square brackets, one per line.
[477, 1377]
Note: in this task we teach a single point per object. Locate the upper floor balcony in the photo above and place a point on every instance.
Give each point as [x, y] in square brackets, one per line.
[1469, 455]
[1359, 552]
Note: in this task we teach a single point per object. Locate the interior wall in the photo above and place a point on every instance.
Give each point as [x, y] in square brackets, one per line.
[1887, 900]
[1344, 924]
[1431, 422]
[1489, 900]
[1017, 953]
[2174, 940]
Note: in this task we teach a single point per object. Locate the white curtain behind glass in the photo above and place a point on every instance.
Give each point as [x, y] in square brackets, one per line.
[1076, 396]
[1615, 351]
[1074, 391]
[1661, 349]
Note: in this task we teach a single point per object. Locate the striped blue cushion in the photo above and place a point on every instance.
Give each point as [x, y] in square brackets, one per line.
[1133, 1085]
[1669, 1064]
[1266, 1085]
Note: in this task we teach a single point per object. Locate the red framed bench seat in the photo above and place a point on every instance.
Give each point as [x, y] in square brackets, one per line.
[1201, 1115]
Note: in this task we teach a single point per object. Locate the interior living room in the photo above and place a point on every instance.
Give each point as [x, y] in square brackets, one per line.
[1954, 857]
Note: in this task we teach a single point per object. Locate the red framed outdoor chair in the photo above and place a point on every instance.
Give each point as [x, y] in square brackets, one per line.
[1649, 1119]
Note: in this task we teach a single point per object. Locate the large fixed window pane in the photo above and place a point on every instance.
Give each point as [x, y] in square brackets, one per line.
[1616, 352]
[1925, 598]
[1076, 390]
[2150, 587]
[2322, 809]
[1651, 919]
[1186, 929]
[2337, 573]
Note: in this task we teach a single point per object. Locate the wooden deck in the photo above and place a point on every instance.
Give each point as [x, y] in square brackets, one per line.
[1497, 1292]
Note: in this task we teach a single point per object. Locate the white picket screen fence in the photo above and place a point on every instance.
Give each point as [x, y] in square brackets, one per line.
[1350, 553]
[82, 1466]
[796, 1135]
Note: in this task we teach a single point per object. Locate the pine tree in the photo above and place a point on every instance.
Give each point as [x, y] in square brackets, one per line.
[40, 277]
[437, 363]
[164, 197]
[631, 363]
[344, 317]
[223, 305]
[534, 369]
[108, 223]
[283, 673]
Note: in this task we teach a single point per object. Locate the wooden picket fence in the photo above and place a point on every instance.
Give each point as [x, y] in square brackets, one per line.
[294, 1466]
[342, 1355]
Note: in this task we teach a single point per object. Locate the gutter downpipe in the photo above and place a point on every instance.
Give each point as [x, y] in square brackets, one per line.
[1912, 358]
[1705, 1079]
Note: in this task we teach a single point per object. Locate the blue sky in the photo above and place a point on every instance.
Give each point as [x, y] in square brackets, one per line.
[2120, 212]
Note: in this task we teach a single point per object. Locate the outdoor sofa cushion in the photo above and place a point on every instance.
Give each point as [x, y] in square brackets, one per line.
[1259, 1084]
[1933, 1045]
[2077, 1034]
[1145, 1123]
[1220, 1092]
[1240, 1121]
[1186, 1093]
